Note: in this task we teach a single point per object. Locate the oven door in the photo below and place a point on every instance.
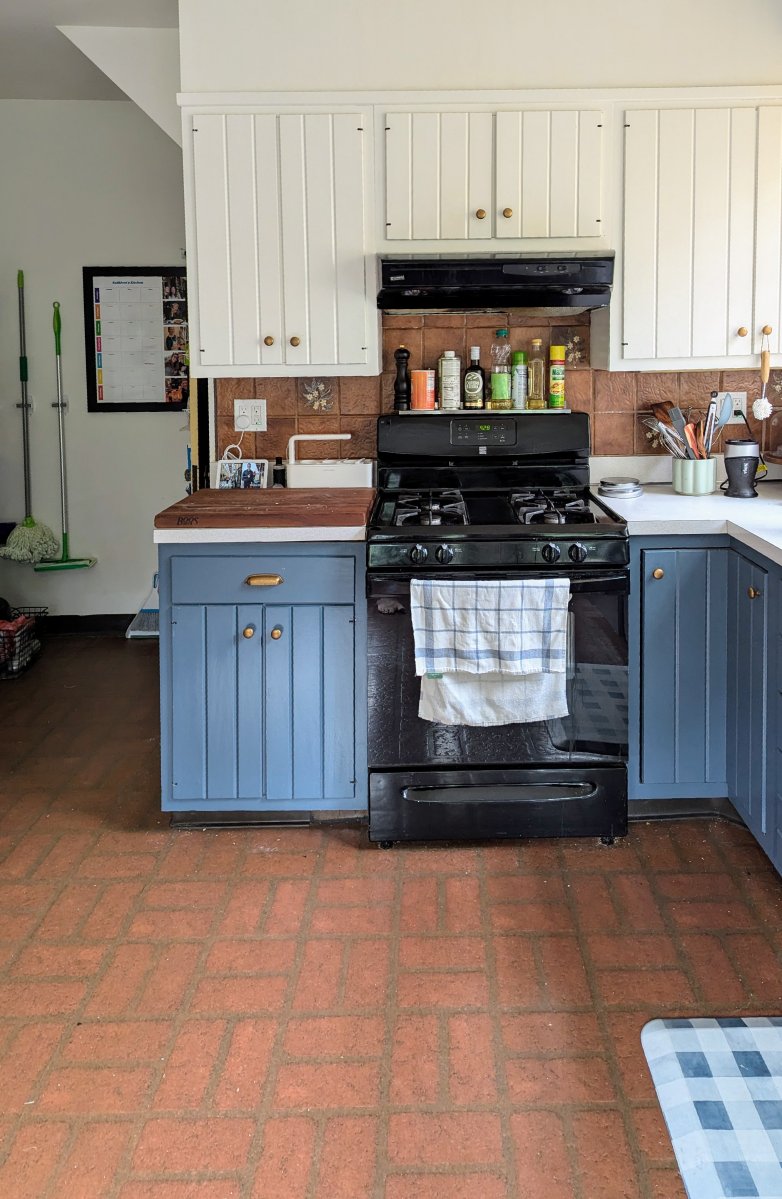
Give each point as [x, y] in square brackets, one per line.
[594, 732]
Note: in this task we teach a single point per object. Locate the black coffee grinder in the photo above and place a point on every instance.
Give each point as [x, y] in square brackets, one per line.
[742, 457]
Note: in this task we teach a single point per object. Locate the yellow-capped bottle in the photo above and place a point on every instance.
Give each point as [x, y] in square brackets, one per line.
[536, 378]
[556, 372]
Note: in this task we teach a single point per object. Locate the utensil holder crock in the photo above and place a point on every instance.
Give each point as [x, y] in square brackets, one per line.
[694, 476]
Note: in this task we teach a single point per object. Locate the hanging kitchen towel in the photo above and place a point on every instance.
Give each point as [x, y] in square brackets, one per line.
[491, 652]
[500, 626]
[492, 699]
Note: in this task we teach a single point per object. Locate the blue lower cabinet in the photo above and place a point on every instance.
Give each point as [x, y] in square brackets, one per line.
[747, 739]
[261, 701]
[678, 631]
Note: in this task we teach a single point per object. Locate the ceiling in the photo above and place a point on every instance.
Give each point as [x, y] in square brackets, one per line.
[37, 62]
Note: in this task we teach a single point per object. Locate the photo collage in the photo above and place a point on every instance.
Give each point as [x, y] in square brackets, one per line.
[175, 338]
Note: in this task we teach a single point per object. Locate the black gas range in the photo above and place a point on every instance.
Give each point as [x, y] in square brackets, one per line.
[496, 496]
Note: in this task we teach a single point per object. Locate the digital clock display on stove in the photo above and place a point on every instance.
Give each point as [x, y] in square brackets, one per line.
[483, 432]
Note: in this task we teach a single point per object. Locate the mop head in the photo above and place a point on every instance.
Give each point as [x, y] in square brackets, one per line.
[30, 542]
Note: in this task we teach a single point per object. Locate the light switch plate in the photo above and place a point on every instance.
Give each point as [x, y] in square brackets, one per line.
[739, 405]
[250, 416]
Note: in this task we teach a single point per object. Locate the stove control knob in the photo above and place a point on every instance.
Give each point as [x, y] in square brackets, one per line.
[419, 553]
[550, 552]
[444, 553]
[577, 552]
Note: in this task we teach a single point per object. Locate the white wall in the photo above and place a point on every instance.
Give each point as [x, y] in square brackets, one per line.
[309, 44]
[84, 183]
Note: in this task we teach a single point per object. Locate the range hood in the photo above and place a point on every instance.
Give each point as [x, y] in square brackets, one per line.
[550, 284]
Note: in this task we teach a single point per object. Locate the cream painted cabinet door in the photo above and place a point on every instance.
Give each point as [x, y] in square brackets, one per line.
[548, 173]
[438, 175]
[689, 233]
[768, 236]
[477, 175]
[278, 240]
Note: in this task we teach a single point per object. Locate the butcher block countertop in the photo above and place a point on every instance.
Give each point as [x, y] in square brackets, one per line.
[276, 514]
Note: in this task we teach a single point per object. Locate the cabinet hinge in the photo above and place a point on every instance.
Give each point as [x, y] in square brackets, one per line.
[627, 126]
[195, 130]
[599, 126]
[353, 781]
[359, 128]
[388, 128]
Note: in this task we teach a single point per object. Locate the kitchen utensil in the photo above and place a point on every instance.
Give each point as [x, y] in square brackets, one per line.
[692, 440]
[761, 407]
[711, 419]
[742, 456]
[662, 412]
[65, 561]
[679, 424]
[29, 541]
[699, 438]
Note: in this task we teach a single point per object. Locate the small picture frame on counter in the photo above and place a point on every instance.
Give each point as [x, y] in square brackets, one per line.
[240, 474]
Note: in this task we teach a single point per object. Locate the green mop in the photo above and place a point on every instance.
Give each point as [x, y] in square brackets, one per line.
[29, 541]
[64, 562]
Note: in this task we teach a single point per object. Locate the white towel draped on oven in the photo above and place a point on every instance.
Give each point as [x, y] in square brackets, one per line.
[491, 652]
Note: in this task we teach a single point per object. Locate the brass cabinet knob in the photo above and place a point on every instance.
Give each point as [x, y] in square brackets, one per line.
[658, 573]
[268, 341]
[767, 330]
[507, 212]
[295, 341]
[276, 633]
[753, 592]
[743, 331]
[249, 631]
[481, 213]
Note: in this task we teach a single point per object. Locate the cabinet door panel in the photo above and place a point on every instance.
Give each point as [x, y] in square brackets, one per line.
[221, 688]
[267, 241]
[454, 174]
[188, 727]
[768, 273]
[684, 623]
[350, 236]
[278, 701]
[338, 703]
[747, 716]
[294, 236]
[242, 229]
[480, 181]
[309, 713]
[674, 216]
[689, 232]
[249, 702]
[211, 229]
[399, 175]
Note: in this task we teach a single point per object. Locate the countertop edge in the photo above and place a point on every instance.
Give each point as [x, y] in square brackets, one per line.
[229, 536]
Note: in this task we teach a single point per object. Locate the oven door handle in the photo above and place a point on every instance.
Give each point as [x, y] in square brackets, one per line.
[397, 583]
[500, 793]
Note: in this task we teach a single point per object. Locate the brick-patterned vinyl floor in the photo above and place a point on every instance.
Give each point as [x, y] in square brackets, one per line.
[291, 1014]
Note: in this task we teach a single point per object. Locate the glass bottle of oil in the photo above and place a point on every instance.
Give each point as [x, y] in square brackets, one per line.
[536, 379]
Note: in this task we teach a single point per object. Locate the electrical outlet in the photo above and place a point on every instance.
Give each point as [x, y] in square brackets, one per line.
[250, 416]
[739, 399]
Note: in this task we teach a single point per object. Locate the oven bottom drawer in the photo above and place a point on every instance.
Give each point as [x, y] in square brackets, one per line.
[476, 805]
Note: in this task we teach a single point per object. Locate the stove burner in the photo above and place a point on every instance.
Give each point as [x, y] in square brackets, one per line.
[558, 508]
[431, 508]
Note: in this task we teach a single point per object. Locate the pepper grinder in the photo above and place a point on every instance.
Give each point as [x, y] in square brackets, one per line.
[402, 380]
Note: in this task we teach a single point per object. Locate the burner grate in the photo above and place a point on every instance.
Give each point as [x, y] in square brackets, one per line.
[431, 508]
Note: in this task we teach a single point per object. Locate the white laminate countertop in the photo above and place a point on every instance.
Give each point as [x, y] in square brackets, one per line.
[260, 534]
[660, 511]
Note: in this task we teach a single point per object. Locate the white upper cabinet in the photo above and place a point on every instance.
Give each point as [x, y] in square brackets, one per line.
[702, 222]
[477, 174]
[278, 211]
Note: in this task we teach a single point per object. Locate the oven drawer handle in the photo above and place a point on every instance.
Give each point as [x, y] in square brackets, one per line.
[500, 793]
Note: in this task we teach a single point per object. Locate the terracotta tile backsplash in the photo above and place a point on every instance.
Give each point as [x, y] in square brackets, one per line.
[616, 401]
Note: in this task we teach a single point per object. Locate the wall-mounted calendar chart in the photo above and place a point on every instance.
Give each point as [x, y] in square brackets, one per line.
[135, 323]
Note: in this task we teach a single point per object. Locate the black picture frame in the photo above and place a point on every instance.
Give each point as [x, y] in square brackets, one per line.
[174, 327]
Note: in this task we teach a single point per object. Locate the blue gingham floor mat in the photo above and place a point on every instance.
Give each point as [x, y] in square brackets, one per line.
[719, 1083]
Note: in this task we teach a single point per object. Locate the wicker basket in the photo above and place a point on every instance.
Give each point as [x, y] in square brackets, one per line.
[18, 650]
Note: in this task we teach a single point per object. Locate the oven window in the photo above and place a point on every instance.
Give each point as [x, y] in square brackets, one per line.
[594, 730]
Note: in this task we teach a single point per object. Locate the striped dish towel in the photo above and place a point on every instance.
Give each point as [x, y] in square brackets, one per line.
[502, 626]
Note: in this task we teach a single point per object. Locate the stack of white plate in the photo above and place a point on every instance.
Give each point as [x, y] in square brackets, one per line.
[620, 487]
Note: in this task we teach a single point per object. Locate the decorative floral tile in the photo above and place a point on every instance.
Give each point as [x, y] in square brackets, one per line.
[575, 339]
[318, 395]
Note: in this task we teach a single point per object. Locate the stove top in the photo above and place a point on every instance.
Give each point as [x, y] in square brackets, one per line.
[489, 494]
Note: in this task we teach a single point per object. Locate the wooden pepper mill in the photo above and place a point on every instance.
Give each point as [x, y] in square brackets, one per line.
[402, 380]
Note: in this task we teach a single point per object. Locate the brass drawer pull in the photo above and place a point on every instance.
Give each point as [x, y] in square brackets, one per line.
[481, 214]
[249, 631]
[753, 592]
[507, 213]
[268, 341]
[276, 633]
[295, 341]
[264, 580]
[659, 573]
